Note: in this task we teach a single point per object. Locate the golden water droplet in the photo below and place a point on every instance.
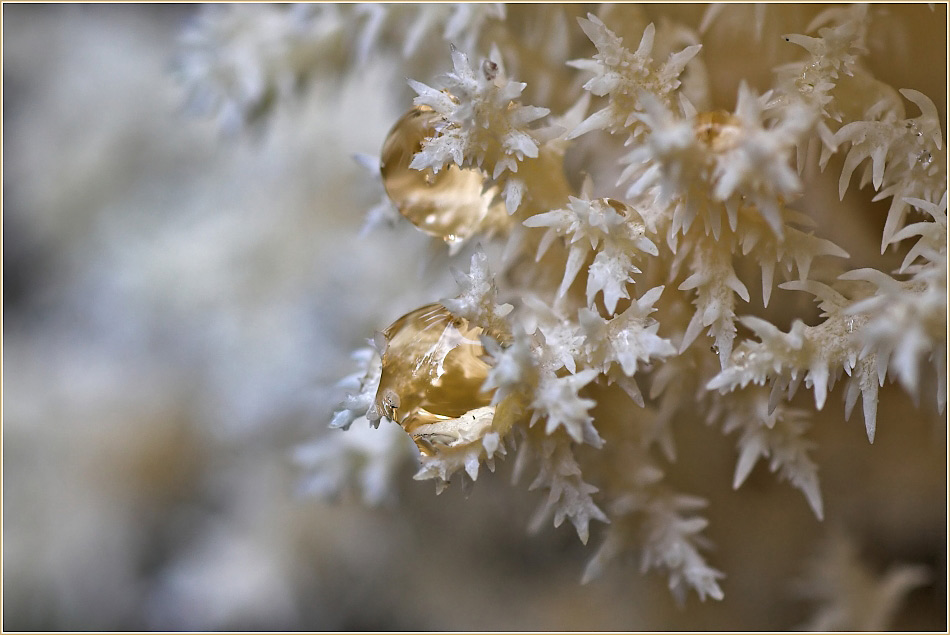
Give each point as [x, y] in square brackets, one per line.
[451, 204]
[718, 130]
[617, 206]
[433, 371]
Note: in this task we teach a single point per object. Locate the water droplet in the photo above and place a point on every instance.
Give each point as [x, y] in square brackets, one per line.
[717, 130]
[451, 204]
[850, 324]
[621, 208]
[433, 371]
[490, 70]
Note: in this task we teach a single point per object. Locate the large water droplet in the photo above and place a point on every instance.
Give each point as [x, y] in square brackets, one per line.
[433, 371]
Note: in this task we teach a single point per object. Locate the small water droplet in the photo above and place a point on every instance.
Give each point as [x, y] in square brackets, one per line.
[850, 325]
[912, 126]
[453, 203]
[718, 130]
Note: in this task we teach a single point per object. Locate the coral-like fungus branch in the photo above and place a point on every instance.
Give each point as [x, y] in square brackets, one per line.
[668, 231]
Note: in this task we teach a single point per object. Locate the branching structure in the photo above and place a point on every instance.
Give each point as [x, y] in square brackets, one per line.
[647, 274]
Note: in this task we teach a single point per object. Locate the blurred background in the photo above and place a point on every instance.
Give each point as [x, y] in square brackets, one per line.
[178, 305]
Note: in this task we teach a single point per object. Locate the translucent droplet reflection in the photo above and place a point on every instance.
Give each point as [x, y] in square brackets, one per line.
[451, 204]
[718, 130]
[433, 371]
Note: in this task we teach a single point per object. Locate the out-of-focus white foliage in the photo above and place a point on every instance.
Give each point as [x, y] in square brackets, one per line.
[568, 495]
[478, 300]
[778, 435]
[756, 163]
[362, 387]
[850, 595]
[364, 462]
[460, 23]
[833, 54]
[514, 367]
[239, 61]
[673, 541]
